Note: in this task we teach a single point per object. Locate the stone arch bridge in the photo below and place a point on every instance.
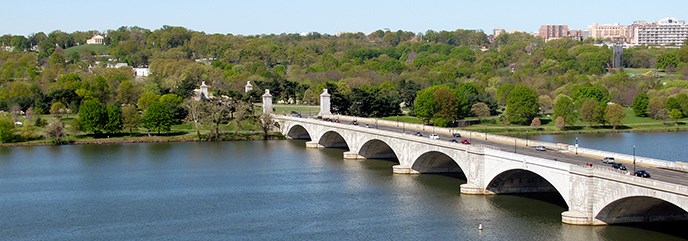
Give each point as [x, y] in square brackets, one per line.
[594, 196]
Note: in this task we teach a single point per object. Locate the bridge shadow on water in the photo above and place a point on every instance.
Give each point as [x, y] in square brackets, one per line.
[678, 229]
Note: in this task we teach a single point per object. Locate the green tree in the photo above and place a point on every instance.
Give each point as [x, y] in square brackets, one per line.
[522, 105]
[424, 104]
[130, 118]
[640, 104]
[157, 118]
[92, 116]
[6, 130]
[614, 115]
[588, 111]
[446, 106]
[114, 119]
[58, 109]
[675, 114]
[668, 59]
[564, 108]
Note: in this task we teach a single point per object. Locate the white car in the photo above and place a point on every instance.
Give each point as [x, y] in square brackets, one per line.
[608, 160]
[434, 136]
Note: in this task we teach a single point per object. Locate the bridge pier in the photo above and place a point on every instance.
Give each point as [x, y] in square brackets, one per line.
[353, 155]
[577, 218]
[399, 169]
[471, 189]
[313, 144]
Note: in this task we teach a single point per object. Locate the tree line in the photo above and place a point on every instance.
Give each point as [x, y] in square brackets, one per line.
[441, 76]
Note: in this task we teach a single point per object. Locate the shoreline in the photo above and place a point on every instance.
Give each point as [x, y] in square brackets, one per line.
[143, 139]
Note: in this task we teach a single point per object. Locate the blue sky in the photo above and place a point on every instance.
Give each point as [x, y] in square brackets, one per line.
[249, 17]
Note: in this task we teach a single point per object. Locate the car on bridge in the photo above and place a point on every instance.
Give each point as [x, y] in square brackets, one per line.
[608, 160]
[418, 133]
[540, 148]
[619, 166]
[354, 123]
[456, 135]
[453, 141]
[434, 136]
[642, 173]
[465, 142]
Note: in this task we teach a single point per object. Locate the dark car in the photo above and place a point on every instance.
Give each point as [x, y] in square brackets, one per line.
[457, 135]
[418, 133]
[453, 141]
[619, 166]
[641, 173]
[354, 123]
[465, 142]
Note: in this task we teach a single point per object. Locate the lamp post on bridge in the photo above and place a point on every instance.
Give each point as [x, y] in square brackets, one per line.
[576, 145]
[633, 159]
[515, 145]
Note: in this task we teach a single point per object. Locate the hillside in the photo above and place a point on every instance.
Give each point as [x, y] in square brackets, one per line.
[88, 48]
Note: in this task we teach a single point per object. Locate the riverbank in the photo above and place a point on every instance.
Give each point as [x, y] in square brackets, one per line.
[144, 138]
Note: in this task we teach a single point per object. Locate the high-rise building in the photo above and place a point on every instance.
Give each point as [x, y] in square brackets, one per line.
[548, 32]
[668, 31]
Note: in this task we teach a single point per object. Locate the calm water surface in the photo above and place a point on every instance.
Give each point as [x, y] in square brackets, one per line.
[275, 190]
[670, 146]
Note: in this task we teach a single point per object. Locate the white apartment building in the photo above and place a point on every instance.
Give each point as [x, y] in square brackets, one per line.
[668, 31]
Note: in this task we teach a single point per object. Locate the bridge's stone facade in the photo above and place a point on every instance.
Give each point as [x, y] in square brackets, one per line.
[594, 196]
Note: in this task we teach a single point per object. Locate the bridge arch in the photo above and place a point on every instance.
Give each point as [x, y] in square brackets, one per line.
[377, 149]
[298, 132]
[436, 162]
[523, 181]
[634, 209]
[333, 139]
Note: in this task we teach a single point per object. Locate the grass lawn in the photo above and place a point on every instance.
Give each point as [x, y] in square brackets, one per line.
[89, 48]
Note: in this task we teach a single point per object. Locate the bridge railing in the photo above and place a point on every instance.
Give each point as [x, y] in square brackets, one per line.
[444, 143]
[680, 166]
[607, 173]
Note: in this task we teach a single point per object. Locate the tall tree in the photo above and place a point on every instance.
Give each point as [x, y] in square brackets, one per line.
[564, 108]
[640, 104]
[114, 119]
[522, 105]
[92, 116]
[130, 118]
[614, 115]
[157, 117]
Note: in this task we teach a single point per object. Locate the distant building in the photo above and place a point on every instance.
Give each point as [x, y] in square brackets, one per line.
[665, 32]
[117, 65]
[96, 39]
[141, 72]
[498, 31]
[616, 32]
[549, 32]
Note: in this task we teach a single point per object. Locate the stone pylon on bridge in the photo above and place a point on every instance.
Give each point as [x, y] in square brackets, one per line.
[267, 102]
[325, 103]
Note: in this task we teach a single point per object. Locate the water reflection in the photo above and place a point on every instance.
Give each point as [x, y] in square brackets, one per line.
[263, 190]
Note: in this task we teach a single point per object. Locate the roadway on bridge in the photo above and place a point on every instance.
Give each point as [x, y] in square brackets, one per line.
[665, 175]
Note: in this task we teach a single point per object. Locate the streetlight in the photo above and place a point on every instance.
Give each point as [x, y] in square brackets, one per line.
[576, 145]
[514, 145]
[633, 159]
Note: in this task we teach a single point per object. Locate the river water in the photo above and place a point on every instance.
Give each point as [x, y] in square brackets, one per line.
[670, 146]
[272, 190]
